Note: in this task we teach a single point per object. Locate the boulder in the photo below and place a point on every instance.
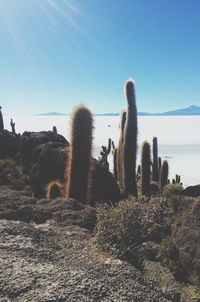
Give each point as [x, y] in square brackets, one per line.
[9, 143]
[48, 162]
[30, 140]
[192, 191]
[104, 188]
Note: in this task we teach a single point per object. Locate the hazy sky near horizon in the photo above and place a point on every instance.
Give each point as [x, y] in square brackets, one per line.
[55, 54]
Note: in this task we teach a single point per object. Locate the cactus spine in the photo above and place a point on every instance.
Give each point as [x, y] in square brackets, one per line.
[130, 142]
[164, 174]
[155, 168]
[146, 171]
[120, 166]
[54, 189]
[78, 169]
[1, 120]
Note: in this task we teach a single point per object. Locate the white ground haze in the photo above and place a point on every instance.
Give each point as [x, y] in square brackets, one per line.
[178, 137]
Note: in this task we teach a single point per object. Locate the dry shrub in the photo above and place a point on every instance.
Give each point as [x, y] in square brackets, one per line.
[120, 230]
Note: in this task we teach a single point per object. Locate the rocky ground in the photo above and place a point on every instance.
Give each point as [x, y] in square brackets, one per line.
[48, 253]
[43, 258]
[49, 263]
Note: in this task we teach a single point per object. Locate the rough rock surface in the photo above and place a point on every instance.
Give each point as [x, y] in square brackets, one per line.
[192, 191]
[103, 185]
[48, 162]
[30, 140]
[41, 263]
[186, 235]
[17, 205]
[9, 143]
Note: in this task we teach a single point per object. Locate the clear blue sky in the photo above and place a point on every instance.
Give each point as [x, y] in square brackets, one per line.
[55, 54]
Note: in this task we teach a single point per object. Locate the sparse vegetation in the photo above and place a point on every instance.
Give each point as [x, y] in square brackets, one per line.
[120, 230]
[13, 175]
[168, 254]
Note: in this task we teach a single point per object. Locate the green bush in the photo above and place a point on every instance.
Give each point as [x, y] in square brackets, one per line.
[168, 255]
[171, 193]
[120, 230]
[172, 189]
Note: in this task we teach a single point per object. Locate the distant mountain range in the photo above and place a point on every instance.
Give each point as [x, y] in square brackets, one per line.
[191, 110]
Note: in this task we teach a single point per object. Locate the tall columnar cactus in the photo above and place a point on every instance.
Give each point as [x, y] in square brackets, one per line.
[146, 168]
[12, 124]
[54, 189]
[164, 174]
[115, 164]
[155, 167]
[1, 120]
[120, 168]
[130, 142]
[79, 156]
[159, 165]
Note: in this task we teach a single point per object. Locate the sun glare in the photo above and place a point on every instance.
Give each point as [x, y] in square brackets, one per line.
[14, 18]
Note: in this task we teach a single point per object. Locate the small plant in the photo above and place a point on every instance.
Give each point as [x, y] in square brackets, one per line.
[54, 189]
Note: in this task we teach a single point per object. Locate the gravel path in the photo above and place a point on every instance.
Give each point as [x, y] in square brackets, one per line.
[40, 263]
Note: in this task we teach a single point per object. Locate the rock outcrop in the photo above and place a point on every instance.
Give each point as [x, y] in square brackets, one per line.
[192, 191]
[9, 143]
[30, 140]
[17, 205]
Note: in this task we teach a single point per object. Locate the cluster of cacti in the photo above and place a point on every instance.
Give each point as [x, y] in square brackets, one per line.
[159, 173]
[124, 156]
[1, 120]
[103, 159]
[176, 180]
